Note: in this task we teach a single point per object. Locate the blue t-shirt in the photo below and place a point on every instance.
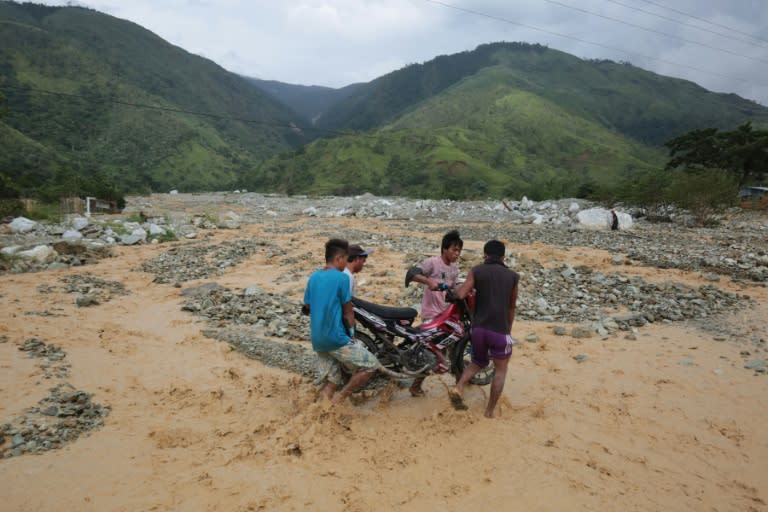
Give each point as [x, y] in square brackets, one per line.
[327, 291]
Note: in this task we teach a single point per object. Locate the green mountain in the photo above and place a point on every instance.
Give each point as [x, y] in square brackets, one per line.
[107, 69]
[88, 100]
[636, 103]
[309, 101]
[505, 119]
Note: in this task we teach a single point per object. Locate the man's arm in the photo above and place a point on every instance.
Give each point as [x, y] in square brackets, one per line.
[349, 315]
[512, 306]
[467, 287]
[432, 284]
[427, 267]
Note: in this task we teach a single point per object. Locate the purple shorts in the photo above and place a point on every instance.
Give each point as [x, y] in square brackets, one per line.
[484, 343]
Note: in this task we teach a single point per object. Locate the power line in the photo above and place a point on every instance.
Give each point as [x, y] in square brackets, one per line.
[651, 13]
[593, 43]
[662, 6]
[665, 34]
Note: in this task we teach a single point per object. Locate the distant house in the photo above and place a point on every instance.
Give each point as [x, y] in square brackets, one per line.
[754, 197]
[753, 191]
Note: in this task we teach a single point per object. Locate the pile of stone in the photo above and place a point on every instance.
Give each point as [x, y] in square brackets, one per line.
[28, 246]
[197, 261]
[61, 417]
[578, 294]
[287, 356]
[58, 419]
[740, 253]
[269, 314]
[90, 290]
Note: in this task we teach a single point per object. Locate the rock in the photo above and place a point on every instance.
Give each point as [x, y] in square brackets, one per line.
[581, 332]
[155, 230]
[72, 234]
[230, 220]
[686, 362]
[202, 290]
[560, 331]
[173, 192]
[754, 364]
[22, 225]
[532, 338]
[617, 260]
[580, 358]
[40, 254]
[600, 218]
[79, 223]
[10, 250]
[84, 301]
[132, 239]
[574, 207]
[252, 290]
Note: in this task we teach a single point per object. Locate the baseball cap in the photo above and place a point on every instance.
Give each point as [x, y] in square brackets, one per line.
[355, 251]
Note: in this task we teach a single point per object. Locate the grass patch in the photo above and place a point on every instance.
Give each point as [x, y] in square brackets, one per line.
[46, 213]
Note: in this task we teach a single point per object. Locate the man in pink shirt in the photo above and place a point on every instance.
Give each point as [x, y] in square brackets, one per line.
[435, 273]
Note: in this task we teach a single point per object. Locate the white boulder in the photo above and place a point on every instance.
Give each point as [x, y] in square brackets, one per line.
[72, 234]
[10, 250]
[22, 225]
[79, 223]
[40, 253]
[155, 230]
[600, 218]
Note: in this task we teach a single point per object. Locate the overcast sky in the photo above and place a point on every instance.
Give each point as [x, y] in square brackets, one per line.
[719, 44]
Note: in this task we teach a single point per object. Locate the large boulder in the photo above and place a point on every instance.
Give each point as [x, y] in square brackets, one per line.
[72, 234]
[600, 218]
[22, 225]
[79, 223]
[40, 254]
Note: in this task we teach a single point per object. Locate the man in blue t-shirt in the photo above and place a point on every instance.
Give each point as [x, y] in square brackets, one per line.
[329, 302]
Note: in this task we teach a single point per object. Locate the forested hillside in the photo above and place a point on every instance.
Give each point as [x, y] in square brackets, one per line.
[92, 103]
[504, 119]
[309, 101]
[107, 69]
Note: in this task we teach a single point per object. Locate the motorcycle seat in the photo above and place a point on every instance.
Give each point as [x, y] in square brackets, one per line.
[387, 312]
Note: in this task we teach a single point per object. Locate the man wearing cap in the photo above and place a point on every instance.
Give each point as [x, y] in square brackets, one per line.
[355, 263]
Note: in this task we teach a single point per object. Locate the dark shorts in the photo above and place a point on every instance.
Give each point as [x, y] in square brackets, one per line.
[487, 343]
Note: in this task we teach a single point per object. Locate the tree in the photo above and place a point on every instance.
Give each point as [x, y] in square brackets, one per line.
[742, 152]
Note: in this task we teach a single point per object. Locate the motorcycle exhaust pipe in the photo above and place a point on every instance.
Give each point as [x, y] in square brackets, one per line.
[401, 376]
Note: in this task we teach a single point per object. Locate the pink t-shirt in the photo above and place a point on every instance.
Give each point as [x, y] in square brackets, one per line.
[433, 302]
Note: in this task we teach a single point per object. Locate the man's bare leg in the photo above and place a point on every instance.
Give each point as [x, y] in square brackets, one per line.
[416, 387]
[469, 372]
[456, 394]
[497, 385]
[328, 390]
[356, 381]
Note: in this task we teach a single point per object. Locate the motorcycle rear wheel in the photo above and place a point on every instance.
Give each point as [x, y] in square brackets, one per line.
[464, 349]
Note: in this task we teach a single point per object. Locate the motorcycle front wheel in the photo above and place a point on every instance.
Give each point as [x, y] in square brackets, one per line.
[462, 360]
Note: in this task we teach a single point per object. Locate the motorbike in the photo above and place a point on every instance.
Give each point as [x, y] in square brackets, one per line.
[439, 346]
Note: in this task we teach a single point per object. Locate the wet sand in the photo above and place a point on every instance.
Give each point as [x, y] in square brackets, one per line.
[196, 425]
